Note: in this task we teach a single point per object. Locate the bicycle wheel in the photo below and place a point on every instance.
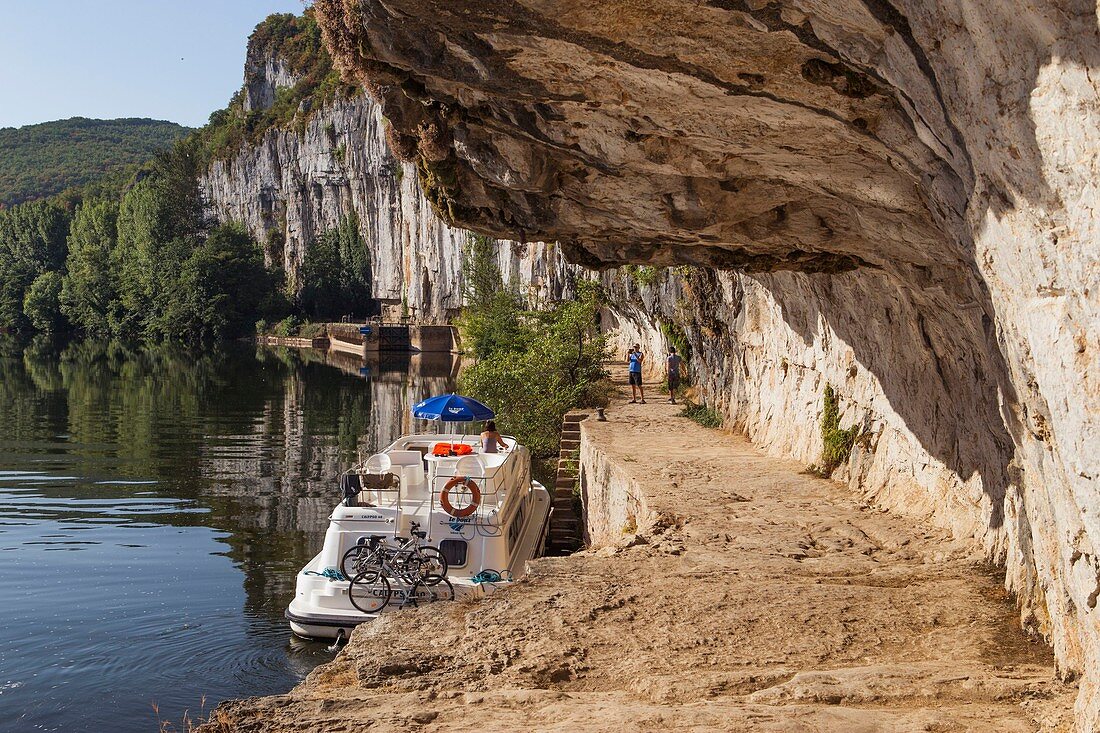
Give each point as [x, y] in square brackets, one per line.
[422, 592]
[361, 560]
[369, 596]
[433, 565]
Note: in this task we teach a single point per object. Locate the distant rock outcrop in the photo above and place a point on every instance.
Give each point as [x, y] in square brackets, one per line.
[300, 180]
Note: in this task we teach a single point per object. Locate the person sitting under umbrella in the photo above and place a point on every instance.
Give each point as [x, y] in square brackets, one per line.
[491, 439]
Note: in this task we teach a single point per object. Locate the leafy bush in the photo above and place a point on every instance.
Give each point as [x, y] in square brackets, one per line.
[703, 415]
[836, 443]
[644, 274]
[287, 327]
[532, 367]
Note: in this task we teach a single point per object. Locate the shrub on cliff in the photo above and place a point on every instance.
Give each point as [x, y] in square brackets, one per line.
[836, 443]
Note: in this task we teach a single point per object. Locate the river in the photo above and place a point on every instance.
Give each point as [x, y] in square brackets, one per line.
[155, 506]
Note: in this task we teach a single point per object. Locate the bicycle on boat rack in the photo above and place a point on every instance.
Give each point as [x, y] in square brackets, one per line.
[371, 564]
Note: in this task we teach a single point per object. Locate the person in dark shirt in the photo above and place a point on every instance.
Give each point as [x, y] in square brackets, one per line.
[634, 360]
[673, 363]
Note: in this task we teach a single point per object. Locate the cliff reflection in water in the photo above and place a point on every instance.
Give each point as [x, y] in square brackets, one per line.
[163, 501]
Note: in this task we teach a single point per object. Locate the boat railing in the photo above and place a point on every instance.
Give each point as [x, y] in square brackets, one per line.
[493, 483]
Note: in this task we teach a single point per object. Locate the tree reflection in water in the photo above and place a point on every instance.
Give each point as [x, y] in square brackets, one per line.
[231, 451]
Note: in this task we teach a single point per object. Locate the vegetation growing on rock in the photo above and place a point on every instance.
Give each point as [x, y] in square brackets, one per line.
[296, 41]
[836, 444]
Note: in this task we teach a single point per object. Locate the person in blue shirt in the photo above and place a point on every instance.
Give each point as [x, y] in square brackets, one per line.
[634, 360]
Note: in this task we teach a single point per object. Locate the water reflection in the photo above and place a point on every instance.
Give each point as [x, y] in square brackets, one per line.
[154, 507]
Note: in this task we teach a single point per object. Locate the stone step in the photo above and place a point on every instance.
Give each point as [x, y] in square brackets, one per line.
[564, 494]
[565, 482]
[568, 444]
[564, 504]
[574, 417]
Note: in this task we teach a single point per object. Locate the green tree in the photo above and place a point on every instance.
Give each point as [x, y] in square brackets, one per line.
[221, 287]
[336, 275]
[42, 303]
[32, 241]
[552, 363]
[490, 322]
[89, 295]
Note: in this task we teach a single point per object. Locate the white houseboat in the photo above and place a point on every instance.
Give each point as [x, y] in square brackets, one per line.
[483, 511]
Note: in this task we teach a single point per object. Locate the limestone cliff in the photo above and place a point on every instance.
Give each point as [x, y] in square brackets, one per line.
[304, 178]
[910, 185]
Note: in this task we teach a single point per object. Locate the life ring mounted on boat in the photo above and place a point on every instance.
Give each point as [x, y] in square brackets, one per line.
[475, 496]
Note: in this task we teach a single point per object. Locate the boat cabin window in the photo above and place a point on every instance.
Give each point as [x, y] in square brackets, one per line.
[454, 551]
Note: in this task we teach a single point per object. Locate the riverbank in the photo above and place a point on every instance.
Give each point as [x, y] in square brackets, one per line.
[726, 590]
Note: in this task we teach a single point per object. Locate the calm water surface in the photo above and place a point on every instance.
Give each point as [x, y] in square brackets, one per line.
[155, 506]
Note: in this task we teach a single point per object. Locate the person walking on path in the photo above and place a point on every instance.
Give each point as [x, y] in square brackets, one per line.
[634, 360]
[672, 371]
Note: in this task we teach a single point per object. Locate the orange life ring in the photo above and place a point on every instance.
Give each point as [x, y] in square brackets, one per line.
[475, 497]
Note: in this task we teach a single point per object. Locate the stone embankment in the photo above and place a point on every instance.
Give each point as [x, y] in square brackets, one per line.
[725, 590]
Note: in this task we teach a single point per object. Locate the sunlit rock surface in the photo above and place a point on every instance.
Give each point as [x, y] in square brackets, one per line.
[911, 186]
[296, 184]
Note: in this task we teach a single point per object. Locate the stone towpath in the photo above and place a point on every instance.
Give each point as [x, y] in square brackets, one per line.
[758, 598]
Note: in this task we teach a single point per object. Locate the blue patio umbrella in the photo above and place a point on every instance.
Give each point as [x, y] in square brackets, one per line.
[452, 408]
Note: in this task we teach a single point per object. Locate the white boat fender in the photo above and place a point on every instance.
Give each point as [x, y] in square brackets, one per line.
[475, 496]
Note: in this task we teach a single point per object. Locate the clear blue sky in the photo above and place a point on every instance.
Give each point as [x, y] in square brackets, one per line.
[175, 60]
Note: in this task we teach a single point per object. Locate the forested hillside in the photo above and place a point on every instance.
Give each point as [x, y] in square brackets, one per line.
[136, 253]
[38, 161]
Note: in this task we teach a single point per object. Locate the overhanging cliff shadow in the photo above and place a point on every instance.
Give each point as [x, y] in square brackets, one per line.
[934, 356]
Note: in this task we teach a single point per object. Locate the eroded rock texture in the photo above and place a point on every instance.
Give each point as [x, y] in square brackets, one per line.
[301, 180]
[910, 186]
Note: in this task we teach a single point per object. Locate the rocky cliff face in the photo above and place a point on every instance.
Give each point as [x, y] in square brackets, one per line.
[910, 187]
[300, 181]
